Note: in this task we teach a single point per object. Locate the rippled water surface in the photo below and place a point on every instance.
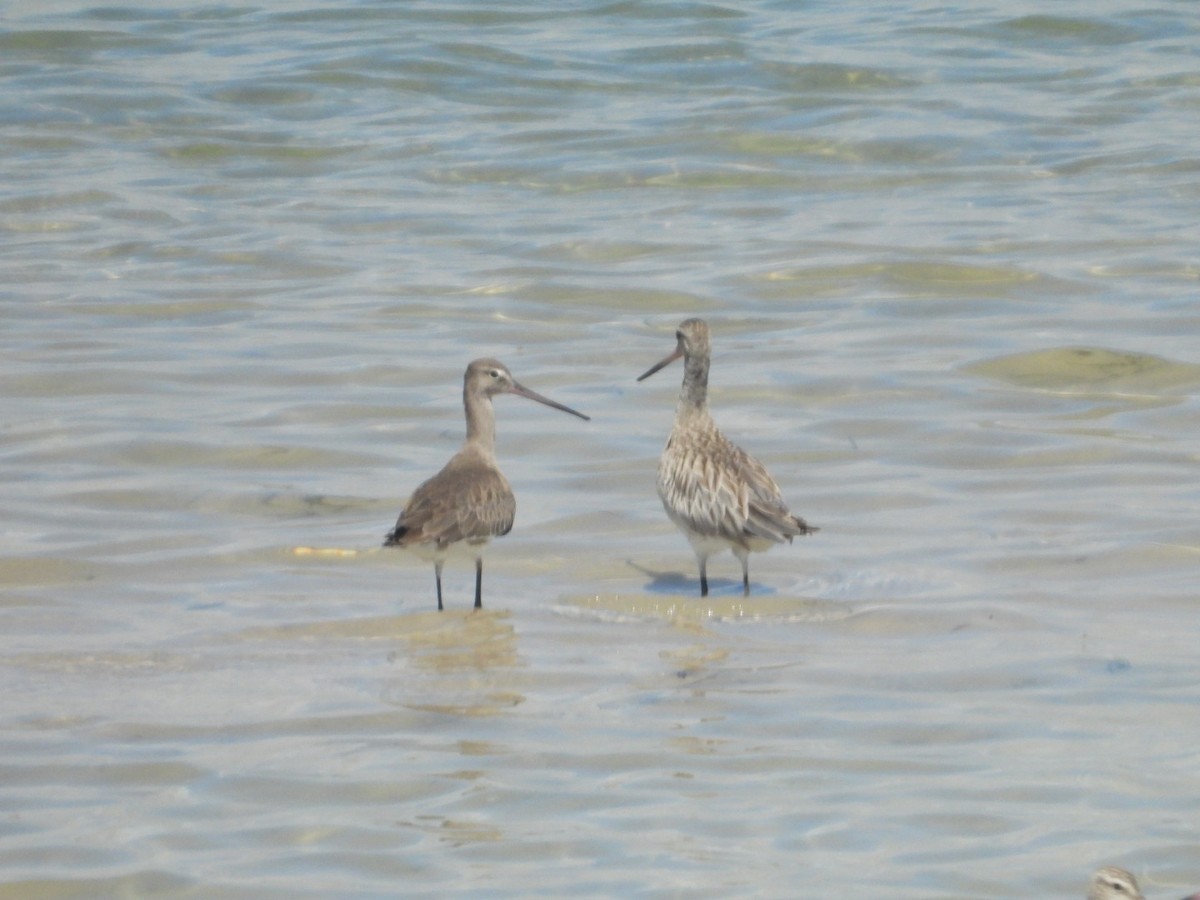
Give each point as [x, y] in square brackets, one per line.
[948, 254]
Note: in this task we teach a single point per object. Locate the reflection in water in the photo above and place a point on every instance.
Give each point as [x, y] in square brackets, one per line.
[693, 660]
[456, 662]
[689, 610]
[675, 582]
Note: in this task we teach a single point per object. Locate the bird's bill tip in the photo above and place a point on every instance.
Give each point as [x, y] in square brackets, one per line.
[521, 391]
[661, 364]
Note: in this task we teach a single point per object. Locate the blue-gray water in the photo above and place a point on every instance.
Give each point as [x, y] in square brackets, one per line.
[949, 256]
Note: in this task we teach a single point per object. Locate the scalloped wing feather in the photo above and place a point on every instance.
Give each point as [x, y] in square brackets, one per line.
[713, 488]
[769, 516]
[700, 488]
[463, 502]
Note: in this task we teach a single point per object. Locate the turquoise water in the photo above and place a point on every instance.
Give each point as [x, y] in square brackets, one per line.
[948, 257]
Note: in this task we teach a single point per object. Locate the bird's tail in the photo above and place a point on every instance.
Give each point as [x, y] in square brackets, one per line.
[776, 524]
[803, 527]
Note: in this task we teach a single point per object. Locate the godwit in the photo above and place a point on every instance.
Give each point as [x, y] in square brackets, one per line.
[469, 501]
[715, 492]
[1113, 883]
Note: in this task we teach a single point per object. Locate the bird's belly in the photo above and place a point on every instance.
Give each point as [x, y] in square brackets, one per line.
[710, 541]
[700, 515]
[430, 551]
[705, 544]
[758, 544]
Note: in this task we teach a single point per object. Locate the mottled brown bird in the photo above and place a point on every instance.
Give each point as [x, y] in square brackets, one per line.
[1113, 883]
[715, 492]
[470, 501]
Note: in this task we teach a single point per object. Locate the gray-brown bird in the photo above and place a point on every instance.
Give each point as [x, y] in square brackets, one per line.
[469, 501]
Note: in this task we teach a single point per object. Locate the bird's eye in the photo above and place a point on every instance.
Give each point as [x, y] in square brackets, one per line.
[495, 373]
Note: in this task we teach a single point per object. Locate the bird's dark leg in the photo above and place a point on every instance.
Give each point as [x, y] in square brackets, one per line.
[479, 582]
[743, 555]
[703, 577]
[437, 573]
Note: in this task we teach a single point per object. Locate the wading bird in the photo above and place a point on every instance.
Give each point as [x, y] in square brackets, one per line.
[715, 492]
[469, 502]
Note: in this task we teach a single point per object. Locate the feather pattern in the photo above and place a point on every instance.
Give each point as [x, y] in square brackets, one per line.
[467, 501]
[715, 492]
[711, 487]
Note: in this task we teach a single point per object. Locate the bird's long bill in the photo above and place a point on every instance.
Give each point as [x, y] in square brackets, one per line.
[521, 391]
[662, 363]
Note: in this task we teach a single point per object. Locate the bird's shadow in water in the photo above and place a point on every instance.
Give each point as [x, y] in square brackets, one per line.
[681, 583]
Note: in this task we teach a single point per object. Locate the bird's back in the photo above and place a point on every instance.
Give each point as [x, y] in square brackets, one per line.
[710, 487]
[469, 500]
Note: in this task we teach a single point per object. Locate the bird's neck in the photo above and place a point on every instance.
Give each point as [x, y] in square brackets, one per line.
[693, 396]
[481, 422]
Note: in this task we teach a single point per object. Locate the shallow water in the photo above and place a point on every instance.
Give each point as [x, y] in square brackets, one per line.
[948, 256]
